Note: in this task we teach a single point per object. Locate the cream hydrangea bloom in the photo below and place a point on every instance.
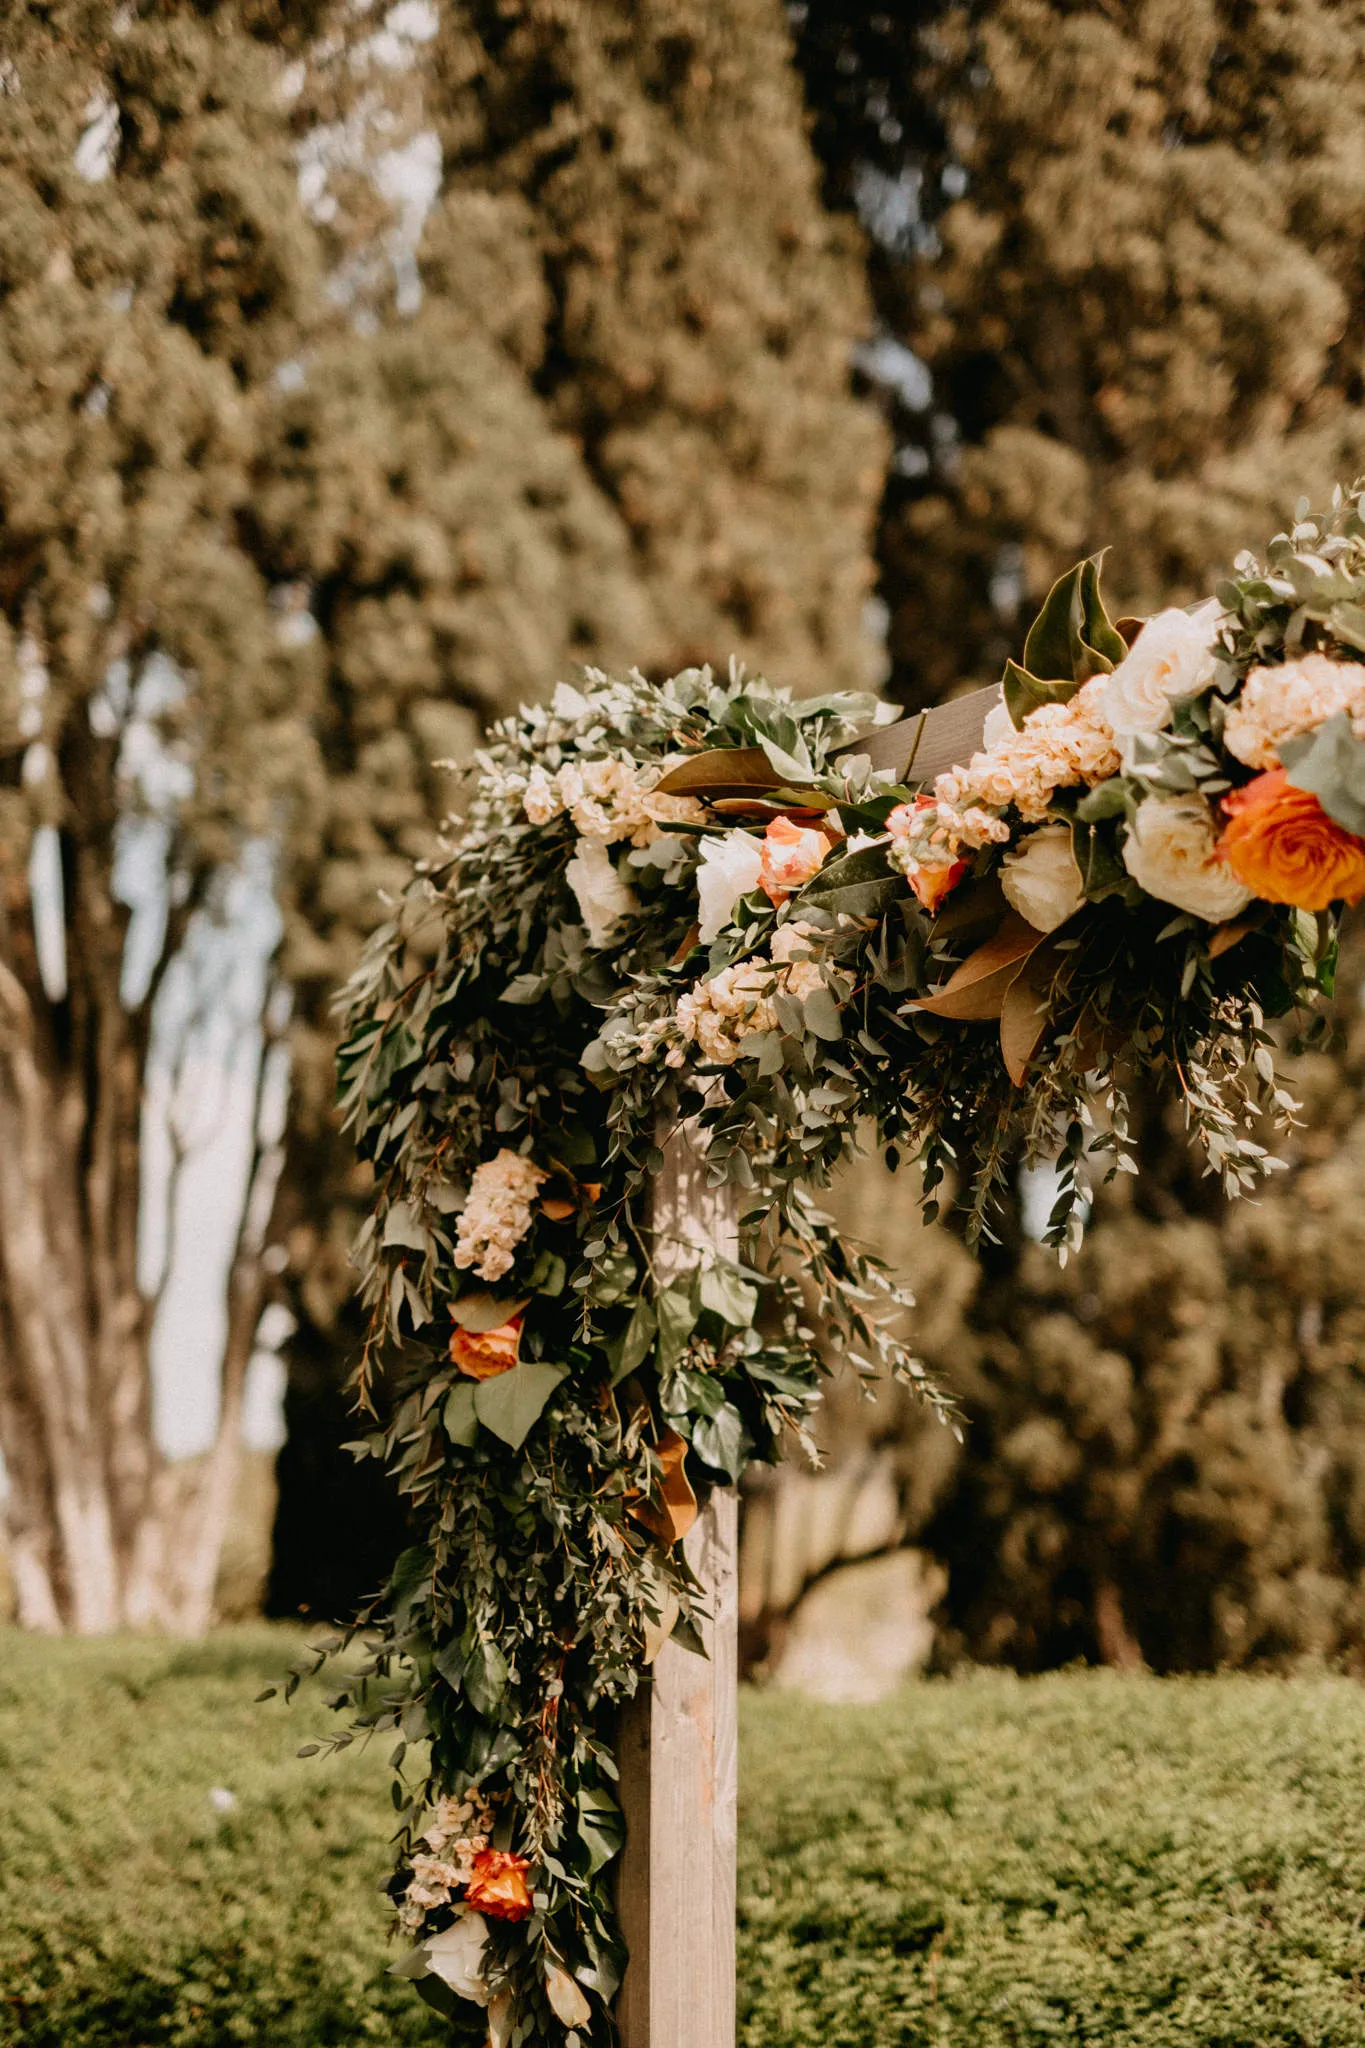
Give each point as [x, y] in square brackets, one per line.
[1277, 703]
[608, 800]
[731, 863]
[497, 1215]
[603, 897]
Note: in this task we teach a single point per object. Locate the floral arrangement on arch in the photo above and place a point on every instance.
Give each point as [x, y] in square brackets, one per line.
[701, 900]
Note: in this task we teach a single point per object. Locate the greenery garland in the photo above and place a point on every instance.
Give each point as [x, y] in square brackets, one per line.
[700, 900]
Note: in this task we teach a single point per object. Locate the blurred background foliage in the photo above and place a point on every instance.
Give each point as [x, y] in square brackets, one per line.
[822, 335]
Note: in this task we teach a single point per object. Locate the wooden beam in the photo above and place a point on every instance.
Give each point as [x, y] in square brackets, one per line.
[919, 747]
[679, 1742]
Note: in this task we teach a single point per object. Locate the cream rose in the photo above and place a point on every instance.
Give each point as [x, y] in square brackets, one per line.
[456, 1956]
[603, 898]
[1042, 880]
[1171, 657]
[731, 864]
[1171, 851]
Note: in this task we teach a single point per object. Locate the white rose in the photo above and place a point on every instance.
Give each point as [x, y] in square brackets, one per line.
[730, 867]
[456, 1954]
[1171, 852]
[603, 898]
[1171, 657]
[1042, 878]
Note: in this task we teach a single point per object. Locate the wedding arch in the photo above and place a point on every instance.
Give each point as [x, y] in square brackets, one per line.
[691, 944]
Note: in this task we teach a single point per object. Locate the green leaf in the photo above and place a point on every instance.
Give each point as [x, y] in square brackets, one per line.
[723, 1441]
[822, 1015]
[1106, 800]
[1025, 692]
[411, 1577]
[485, 1675]
[512, 1402]
[401, 1228]
[1072, 638]
[600, 1826]
[450, 1661]
[525, 988]
[482, 1311]
[632, 1347]
[677, 1312]
[1331, 763]
[461, 1423]
[726, 1295]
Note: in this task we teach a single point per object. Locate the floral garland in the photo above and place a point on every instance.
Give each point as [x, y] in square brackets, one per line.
[701, 900]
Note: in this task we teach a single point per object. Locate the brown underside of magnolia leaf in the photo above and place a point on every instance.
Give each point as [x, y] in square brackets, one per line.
[976, 991]
[669, 1517]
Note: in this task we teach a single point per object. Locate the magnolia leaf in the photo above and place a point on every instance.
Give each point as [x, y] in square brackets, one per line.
[1073, 637]
[1331, 764]
[978, 988]
[461, 1423]
[558, 1209]
[1128, 628]
[809, 811]
[567, 2002]
[1225, 936]
[672, 1508]
[1025, 1010]
[481, 1312]
[510, 1403]
[973, 905]
[723, 771]
[658, 1632]
[1025, 692]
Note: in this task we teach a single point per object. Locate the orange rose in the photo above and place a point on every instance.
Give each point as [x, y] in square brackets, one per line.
[483, 1354]
[498, 1885]
[1281, 844]
[791, 855]
[931, 885]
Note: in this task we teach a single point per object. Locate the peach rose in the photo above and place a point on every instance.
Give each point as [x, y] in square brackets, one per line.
[791, 855]
[498, 1885]
[931, 885]
[483, 1354]
[1281, 843]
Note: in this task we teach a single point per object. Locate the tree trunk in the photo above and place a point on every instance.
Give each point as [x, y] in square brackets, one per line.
[103, 1533]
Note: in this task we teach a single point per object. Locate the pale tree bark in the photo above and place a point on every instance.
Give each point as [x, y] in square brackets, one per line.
[102, 1531]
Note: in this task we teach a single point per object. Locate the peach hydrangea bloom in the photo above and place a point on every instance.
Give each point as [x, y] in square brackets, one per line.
[1057, 746]
[1291, 697]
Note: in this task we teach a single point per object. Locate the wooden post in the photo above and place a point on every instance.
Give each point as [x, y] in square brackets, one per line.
[679, 1744]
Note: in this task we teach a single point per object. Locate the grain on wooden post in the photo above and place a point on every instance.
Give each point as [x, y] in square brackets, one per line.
[679, 1744]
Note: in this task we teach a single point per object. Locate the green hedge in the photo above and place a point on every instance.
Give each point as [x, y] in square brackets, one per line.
[985, 1863]
[1083, 1858]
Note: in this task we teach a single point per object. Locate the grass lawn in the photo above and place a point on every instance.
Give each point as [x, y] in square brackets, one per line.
[982, 1864]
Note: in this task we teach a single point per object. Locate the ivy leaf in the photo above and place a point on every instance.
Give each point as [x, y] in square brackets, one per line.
[723, 1441]
[677, 1313]
[726, 1295]
[512, 1402]
[461, 1423]
[632, 1347]
[481, 1311]
[600, 1826]
[485, 1674]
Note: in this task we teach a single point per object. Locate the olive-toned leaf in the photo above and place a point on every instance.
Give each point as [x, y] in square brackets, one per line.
[1025, 1010]
[633, 1347]
[511, 1403]
[671, 1509]
[722, 771]
[1331, 764]
[481, 1311]
[822, 1015]
[1072, 638]
[401, 1230]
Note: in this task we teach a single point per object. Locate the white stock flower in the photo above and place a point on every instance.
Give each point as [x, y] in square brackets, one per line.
[456, 1956]
[1042, 879]
[603, 898]
[497, 1215]
[731, 864]
[1171, 657]
[1171, 851]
